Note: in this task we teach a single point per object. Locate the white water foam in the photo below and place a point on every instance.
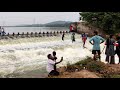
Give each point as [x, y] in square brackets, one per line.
[23, 56]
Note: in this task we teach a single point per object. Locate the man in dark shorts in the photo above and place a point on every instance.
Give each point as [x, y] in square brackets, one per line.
[97, 40]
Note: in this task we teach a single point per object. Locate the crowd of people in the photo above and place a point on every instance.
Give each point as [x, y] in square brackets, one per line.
[111, 47]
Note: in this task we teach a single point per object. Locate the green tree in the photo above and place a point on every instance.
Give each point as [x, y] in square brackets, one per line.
[108, 21]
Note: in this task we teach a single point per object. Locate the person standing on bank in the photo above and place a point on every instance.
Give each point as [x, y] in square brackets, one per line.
[118, 48]
[97, 40]
[110, 52]
[107, 37]
[50, 65]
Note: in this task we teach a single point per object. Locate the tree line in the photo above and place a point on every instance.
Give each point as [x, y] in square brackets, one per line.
[107, 21]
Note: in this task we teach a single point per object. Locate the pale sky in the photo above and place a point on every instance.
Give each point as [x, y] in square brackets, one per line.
[16, 18]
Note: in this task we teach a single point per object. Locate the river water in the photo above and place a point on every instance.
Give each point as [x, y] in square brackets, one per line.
[27, 57]
[34, 29]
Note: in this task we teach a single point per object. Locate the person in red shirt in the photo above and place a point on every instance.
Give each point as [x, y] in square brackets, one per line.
[71, 28]
[84, 38]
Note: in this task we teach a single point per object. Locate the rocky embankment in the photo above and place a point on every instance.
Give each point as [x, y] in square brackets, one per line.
[87, 28]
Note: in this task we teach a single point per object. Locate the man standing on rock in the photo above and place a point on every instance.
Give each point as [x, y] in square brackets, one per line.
[97, 40]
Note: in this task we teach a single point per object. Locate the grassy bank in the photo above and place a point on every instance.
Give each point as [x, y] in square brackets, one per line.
[89, 69]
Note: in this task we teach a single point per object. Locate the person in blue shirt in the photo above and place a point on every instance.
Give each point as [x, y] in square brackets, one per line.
[96, 40]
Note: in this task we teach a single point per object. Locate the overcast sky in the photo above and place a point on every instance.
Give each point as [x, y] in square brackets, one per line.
[16, 18]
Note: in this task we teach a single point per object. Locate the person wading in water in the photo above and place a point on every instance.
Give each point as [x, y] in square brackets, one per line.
[73, 37]
[63, 35]
[84, 38]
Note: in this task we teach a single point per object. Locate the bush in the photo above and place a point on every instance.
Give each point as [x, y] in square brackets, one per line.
[96, 66]
[115, 76]
[83, 63]
[103, 70]
[72, 68]
[110, 73]
[79, 65]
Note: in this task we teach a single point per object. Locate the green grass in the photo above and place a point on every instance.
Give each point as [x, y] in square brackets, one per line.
[115, 76]
[79, 65]
[96, 66]
[73, 68]
[84, 62]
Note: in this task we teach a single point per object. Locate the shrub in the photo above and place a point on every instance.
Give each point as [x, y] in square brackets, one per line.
[72, 68]
[110, 73]
[115, 76]
[96, 66]
[83, 63]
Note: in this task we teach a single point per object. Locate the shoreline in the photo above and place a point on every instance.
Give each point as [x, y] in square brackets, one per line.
[90, 69]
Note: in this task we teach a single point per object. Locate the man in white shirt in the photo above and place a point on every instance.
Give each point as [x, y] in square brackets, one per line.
[50, 66]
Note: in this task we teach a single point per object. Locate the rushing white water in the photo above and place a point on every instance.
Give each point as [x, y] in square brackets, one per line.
[27, 54]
